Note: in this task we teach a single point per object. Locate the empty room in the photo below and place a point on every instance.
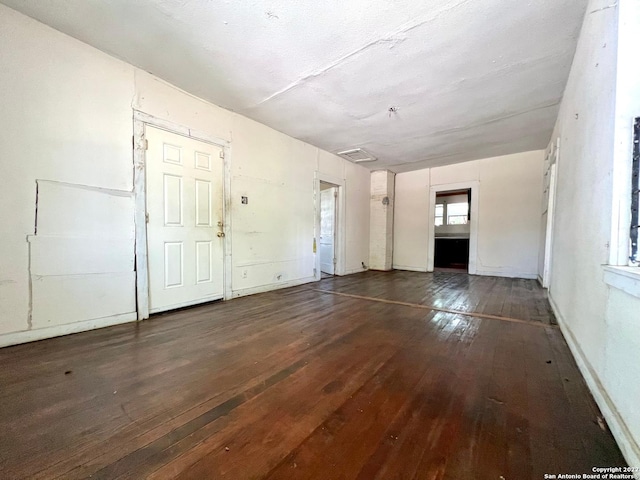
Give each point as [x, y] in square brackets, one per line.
[319, 240]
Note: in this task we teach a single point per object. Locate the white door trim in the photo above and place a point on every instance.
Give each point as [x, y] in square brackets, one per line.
[473, 227]
[140, 119]
[340, 223]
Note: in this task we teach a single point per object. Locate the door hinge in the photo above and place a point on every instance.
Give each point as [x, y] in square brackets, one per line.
[146, 144]
[335, 260]
[222, 154]
[335, 193]
[146, 217]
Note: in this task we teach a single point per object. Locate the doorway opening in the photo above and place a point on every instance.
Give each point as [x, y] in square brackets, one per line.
[452, 230]
[328, 228]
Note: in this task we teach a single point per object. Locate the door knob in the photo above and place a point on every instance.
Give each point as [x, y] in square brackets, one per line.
[220, 234]
[220, 224]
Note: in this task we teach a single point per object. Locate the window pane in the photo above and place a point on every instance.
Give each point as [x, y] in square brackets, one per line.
[457, 213]
[439, 215]
[456, 219]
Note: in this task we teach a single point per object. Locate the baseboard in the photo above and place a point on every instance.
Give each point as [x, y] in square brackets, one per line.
[243, 292]
[409, 268]
[505, 273]
[25, 336]
[630, 449]
[352, 271]
[540, 281]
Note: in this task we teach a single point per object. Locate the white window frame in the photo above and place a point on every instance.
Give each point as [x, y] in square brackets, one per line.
[621, 273]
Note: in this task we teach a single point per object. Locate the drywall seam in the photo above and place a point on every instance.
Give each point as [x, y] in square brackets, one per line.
[91, 188]
[630, 449]
[30, 286]
[30, 279]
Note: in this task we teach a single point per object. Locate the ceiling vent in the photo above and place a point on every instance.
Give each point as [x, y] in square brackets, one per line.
[357, 155]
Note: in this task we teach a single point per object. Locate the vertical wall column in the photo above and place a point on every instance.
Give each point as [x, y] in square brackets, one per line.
[381, 234]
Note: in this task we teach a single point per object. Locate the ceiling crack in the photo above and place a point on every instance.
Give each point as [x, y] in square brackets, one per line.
[613, 5]
[394, 38]
[496, 119]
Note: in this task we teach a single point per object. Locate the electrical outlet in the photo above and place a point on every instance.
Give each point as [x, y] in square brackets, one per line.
[244, 273]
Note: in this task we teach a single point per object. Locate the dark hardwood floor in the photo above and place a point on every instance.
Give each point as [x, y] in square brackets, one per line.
[301, 384]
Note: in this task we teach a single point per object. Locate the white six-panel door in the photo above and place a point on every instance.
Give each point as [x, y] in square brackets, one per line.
[184, 220]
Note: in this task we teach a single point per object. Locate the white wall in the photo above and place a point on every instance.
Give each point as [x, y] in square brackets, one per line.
[381, 220]
[600, 323]
[67, 123]
[509, 213]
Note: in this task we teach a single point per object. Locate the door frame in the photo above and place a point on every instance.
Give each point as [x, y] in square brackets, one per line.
[334, 256]
[547, 247]
[340, 223]
[140, 121]
[474, 186]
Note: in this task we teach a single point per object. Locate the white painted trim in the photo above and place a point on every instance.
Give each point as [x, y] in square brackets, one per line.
[140, 119]
[473, 227]
[551, 211]
[341, 183]
[25, 336]
[626, 279]
[355, 270]
[140, 217]
[630, 449]
[505, 272]
[226, 212]
[190, 303]
[271, 286]
[409, 268]
[179, 129]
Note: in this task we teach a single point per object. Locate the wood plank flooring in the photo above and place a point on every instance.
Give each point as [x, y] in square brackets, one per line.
[301, 384]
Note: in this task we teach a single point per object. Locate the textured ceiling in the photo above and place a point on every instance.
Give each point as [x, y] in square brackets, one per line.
[468, 78]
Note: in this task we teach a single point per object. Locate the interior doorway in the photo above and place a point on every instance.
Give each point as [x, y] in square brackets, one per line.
[328, 228]
[452, 224]
[548, 209]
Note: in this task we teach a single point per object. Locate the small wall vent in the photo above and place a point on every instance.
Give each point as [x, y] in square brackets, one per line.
[357, 155]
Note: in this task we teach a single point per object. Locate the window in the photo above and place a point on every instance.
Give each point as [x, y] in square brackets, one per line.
[452, 213]
[635, 192]
[439, 215]
[457, 213]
